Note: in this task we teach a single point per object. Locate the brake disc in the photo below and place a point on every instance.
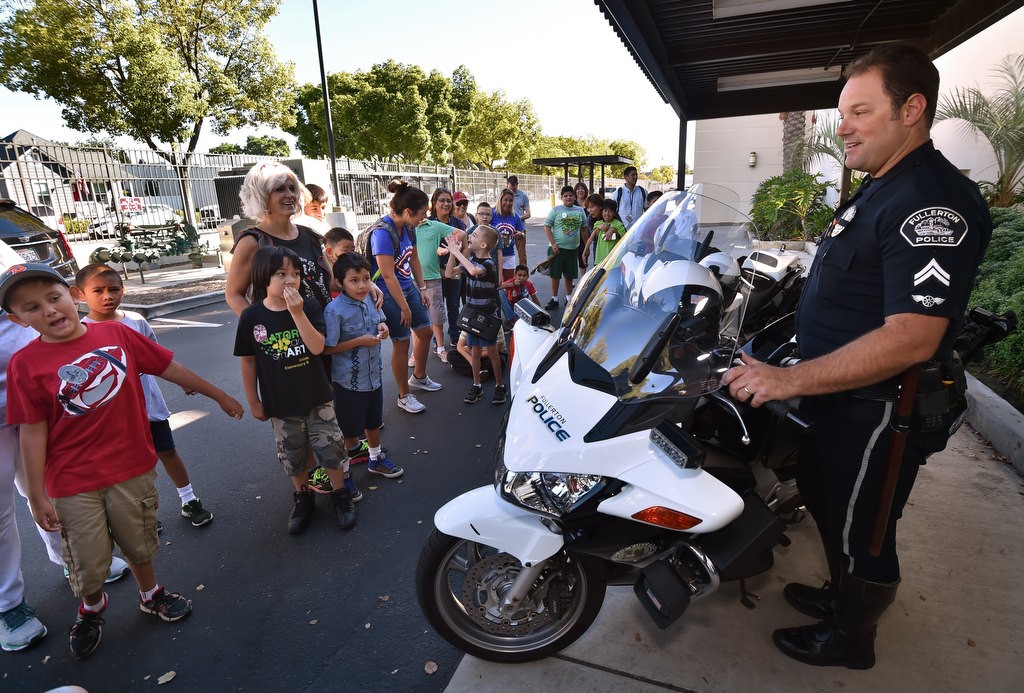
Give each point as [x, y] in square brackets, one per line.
[484, 586]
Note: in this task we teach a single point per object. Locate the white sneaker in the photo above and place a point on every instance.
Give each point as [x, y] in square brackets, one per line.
[411, 404]
[19, 628]
[442, 354]
[118, 569]
[424, 383]
[412, 362]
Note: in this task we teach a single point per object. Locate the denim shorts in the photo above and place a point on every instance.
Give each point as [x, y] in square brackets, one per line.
[393, 314]
[358, 411]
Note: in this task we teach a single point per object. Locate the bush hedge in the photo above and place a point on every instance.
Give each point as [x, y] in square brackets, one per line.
[999, 288]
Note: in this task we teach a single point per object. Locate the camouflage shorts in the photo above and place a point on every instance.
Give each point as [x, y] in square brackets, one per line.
[317, 430]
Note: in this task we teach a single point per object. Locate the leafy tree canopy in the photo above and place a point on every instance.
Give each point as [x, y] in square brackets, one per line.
[663, 174]
[154, 70]
[255, 144]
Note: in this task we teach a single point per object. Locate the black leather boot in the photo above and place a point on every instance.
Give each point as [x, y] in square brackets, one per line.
[344, 508]
[302, 512]
[848, 639]
[817, 602]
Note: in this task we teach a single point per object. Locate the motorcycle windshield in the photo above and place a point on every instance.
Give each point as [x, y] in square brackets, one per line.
[661, 313]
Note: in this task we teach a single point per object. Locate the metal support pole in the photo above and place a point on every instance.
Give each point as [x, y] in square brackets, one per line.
[681, 172]
[327, 105]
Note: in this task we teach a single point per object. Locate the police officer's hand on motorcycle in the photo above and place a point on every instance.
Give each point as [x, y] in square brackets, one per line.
[755, 382]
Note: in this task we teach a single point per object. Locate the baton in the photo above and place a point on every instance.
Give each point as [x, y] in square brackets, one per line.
[901, 428]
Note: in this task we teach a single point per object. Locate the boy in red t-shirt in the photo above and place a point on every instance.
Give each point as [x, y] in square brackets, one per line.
[69, 391]
[516, 289]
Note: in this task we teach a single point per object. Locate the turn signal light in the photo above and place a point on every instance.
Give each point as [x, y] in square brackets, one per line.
[666, 517]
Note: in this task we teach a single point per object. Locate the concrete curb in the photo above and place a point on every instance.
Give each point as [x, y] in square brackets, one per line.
[997, 421]
[155, 310]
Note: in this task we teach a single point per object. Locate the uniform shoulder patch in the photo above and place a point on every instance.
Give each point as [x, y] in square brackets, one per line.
[934, 226]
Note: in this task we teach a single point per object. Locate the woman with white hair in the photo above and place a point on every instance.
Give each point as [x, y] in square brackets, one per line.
[271, 196]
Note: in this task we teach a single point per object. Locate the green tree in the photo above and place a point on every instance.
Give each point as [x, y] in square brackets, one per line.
[1000, 120]
[266, 145]
[663, 174]
[627, 148]
[791, 206]
[226, 148]
[156, 71]
[498, 130]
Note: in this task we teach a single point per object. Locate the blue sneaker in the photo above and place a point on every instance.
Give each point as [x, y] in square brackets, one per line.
[357, 495]
[385, 467]
[19, 628]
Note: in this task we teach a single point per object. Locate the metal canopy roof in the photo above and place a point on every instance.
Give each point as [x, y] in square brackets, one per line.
[604, 159]
[685, 51]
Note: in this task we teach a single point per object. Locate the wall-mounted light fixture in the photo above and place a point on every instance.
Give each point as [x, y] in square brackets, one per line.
[752, 160]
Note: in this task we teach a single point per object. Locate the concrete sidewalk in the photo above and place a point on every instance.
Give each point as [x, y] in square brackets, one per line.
[957, 624]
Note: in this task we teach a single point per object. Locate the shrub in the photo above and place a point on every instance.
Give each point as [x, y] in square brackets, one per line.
[1000, 287]
[75, 225]
[791, 206]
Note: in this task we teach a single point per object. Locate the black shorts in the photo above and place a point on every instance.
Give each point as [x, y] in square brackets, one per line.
[163, 441]
[358, 411]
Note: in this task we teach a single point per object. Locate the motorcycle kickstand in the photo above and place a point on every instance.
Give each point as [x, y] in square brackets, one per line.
[745, 596]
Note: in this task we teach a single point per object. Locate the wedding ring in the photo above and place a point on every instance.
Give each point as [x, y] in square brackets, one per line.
[747, 390]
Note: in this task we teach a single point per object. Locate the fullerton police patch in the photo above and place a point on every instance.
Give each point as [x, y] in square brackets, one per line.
[934, 226]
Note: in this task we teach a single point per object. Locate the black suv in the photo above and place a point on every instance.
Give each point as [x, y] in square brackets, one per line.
[34, 241]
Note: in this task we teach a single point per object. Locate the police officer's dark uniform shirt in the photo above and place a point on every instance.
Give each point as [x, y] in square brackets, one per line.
[907, 242]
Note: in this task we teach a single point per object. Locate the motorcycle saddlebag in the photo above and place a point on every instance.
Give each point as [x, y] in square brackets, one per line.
[743, 548]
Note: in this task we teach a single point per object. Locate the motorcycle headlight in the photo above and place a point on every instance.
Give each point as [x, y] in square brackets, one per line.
[552, 493]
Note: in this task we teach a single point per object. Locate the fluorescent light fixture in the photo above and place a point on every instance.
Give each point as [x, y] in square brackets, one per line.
[723, 9]
[779, 78]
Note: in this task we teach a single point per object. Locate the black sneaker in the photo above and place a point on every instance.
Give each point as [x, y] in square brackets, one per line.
[169, 606]
[195, 512]
[551, 305]
[302, 511]
[344, 508]
[473, 396]
[86, 633]
[319, 481]
[500, 395]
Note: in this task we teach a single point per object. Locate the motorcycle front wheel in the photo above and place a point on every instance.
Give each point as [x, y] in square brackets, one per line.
[460, 585]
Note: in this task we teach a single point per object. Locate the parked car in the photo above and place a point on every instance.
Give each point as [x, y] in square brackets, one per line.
[376, 206]
[209, 217]
[153, 215]
[34, 241]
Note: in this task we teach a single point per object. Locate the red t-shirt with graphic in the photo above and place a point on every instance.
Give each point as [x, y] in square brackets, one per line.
[89, 393]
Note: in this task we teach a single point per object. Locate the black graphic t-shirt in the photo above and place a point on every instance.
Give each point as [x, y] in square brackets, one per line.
[310, 250]
[291, 380]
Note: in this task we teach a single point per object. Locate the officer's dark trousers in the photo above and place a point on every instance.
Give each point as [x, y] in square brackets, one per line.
[840, 473]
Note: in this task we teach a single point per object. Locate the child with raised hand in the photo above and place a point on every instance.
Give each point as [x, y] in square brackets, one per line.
[355, 329]
[482, 294]
[76, 396]
[277, 339]
[609, 230]
[100, 286]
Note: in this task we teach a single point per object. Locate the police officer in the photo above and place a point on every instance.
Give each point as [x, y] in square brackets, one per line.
[887, 289]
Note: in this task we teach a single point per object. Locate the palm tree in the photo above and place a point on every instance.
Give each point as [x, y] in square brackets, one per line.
[824, 142]
[1000, 120]
[793, 137]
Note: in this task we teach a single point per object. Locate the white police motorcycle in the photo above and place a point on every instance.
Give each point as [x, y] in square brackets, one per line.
[600, 478]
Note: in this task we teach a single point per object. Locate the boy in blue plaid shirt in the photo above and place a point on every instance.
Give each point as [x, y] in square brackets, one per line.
[355, 329]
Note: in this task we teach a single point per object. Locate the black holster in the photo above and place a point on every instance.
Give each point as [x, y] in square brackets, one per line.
[941, 403]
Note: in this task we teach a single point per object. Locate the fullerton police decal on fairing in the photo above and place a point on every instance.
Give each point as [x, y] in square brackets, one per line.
[934, 226]
[549, 416]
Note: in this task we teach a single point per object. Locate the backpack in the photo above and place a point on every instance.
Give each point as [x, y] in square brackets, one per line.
[366, 238]
[618, 195]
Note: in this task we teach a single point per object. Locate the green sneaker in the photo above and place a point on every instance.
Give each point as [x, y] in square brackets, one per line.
[360, 454]
[319, 481]
[195, 512]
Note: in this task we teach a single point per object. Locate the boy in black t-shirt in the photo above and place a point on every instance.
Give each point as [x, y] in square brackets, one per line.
[481, 294]
[278, 337]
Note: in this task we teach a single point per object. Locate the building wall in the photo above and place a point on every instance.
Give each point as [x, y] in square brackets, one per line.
[722, 152]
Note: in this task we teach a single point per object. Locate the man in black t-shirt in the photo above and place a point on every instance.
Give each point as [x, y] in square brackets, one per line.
[889, 284]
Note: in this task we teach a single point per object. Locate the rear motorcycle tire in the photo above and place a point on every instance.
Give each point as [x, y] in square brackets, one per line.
[459, 584]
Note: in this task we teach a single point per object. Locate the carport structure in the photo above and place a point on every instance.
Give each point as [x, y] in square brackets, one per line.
[581, 162]
[721, 58]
